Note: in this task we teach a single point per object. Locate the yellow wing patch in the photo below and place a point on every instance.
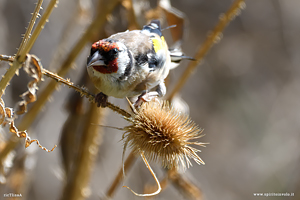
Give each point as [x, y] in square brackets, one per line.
[159, 44]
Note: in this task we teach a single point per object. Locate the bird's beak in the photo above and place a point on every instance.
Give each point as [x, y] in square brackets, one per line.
[95, 60]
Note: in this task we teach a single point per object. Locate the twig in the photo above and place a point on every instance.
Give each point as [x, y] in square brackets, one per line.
[34, 16]
[209, 42]
[83, 92]
[7, 58]
[98, 22]
[37, 31]
[20, 58]
[188, 188]
[184, 185]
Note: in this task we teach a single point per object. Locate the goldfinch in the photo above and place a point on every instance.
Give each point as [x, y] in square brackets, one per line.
[131, 63]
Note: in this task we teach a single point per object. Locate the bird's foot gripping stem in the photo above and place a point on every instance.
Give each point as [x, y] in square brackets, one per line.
[145, 97]
[101, 100]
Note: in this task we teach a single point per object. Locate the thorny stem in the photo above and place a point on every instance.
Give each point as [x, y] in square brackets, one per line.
[37, 30]
[209, 42]
[35, 15]
[7, 58]
[199, 56]
[20, 58]
[83, 92]
[29, 117]
[98, 22]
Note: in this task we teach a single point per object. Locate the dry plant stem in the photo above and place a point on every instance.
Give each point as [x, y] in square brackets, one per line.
[209, 42]
[78, 179]
[37, 30]
[164, 184]
[20, 58]
[68, 83]
[83, 92]
[31, 24]
[7, 58]
[154, 176]
[10, 144]
[187, 188]
[99, 21]
[120, 176]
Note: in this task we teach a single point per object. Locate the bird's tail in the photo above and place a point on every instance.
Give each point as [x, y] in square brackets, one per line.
[176, 56]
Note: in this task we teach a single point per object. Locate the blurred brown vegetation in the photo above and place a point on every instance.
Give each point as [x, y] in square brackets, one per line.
[244, 94]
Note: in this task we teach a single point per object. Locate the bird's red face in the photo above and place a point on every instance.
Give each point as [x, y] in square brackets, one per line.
[104, 56]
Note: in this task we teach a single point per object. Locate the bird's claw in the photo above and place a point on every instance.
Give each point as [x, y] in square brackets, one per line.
[101, 100]
[145, 97]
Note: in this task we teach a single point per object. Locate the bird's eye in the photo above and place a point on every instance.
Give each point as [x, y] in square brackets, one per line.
[115, 50]
[112, 54]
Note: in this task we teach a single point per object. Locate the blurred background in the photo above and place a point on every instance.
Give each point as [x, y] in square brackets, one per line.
[245, 94]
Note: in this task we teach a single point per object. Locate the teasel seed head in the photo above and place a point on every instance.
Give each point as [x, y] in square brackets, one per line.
[162, 133]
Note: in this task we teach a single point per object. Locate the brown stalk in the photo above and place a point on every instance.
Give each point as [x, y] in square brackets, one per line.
[185, 186]
[99, 21]
[24, 48]
[35, 15]
[209, 42]
[77, 183]
[40, 26]
[83, 92]
[177, 179]
[30, 116]
[21, 56]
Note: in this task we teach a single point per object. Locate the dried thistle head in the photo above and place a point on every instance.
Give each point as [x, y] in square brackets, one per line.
[163, 134]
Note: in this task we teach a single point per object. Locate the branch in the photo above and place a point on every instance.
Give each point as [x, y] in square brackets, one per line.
[209, 42]
[83, 92]
[20, 58]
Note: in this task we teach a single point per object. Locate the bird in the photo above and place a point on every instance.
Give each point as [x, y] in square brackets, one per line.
[131, 63]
